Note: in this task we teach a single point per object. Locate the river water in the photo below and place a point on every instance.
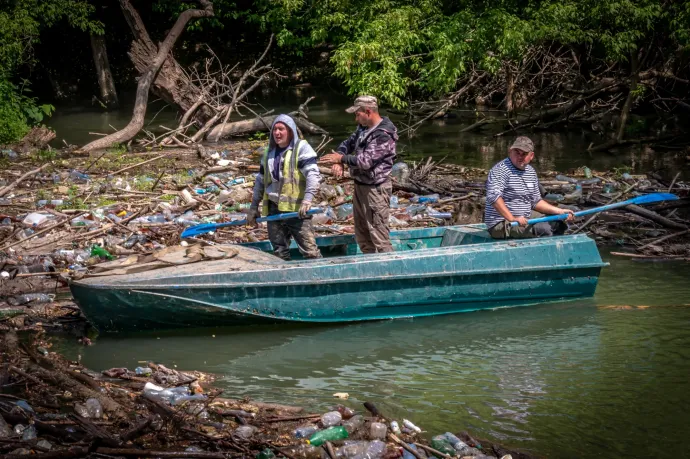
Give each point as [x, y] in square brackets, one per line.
[604, 377]
[439, 139]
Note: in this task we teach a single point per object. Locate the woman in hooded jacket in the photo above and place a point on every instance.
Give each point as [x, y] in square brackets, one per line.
[288, 180]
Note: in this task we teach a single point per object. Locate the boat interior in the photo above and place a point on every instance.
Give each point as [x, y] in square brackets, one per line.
[403, 240]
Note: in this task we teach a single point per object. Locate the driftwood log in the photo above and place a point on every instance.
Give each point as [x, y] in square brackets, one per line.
[263, 124]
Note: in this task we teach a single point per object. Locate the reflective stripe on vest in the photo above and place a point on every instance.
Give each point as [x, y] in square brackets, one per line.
[292, 184]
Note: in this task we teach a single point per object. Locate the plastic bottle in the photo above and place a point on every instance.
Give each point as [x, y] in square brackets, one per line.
[346, 412]
[433, 213]
[305, 431]
[401, 172]
[587, 171]
[395, 427]
[460, 446]
[179, 399]
[24, 405]
[394, 202]
[415, 209]
[94, 408]
[77, 176]
[330, 434]
[324, 218]
[331, 418]
[377, 430]
[554, 197]
[34, 219]
[143, 371]
[29, 433]
[351, 449]
[45, 444]
[344, 211]
[591, 181]
[428, 199]
[244, 432]
[82, 221]
[328, 191]
[98, 251]
[609, 188]
[266, 454]
[54, 202]
[35, 298]
[441, 443]
[375, 450]
[574, 196]
[565, 178]
[157, 218]
[354, 424]
[304, 452]
[407, 454]
[411, 426]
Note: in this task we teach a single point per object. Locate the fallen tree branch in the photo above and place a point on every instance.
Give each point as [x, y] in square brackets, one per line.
[14, 184]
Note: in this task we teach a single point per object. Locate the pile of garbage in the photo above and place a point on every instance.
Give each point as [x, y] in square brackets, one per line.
[57, 408]
[61, 214]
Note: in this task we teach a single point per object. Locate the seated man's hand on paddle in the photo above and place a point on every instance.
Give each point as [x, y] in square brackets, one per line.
[522, 221]
[571, 216]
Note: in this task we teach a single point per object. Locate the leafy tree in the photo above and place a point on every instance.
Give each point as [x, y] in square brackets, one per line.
[21, 25]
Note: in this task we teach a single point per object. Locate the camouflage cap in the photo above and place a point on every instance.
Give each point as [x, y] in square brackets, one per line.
[523, 143]
[362, 102]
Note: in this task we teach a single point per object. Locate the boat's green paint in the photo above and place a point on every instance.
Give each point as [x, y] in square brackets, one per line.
[433, 271]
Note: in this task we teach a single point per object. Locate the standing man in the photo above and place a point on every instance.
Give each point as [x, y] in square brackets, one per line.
[512, 191]
[370, 154]
[287, 181]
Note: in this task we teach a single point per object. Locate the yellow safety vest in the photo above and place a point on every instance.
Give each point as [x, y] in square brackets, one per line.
[292, 183]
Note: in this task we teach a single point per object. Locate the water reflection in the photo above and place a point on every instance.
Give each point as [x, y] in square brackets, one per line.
[439, 139]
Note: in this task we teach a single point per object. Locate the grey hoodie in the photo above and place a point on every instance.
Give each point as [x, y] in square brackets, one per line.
[306, 162]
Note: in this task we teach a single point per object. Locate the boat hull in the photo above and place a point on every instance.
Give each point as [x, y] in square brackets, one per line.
[424, 282]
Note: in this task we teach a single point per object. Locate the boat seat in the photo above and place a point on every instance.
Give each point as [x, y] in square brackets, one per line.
[465, 236]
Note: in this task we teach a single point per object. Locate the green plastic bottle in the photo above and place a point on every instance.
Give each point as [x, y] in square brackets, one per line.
[98, 251]
[266, 454]
[330, 434]
[440, 443]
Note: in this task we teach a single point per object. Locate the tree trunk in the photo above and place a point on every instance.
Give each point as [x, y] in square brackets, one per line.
[141, 101]
[625, 111]
[105, 77]
[172, 84]
[244, 127]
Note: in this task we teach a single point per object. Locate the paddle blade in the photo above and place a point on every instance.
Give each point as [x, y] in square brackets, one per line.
[199, 229]
[654, 197]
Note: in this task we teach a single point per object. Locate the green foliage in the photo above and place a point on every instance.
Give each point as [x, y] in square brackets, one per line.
[46, 155]
[259, 136]
[73, 200]
[13, 121]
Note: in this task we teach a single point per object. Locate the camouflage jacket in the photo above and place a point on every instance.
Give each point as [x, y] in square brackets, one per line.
[370, 155]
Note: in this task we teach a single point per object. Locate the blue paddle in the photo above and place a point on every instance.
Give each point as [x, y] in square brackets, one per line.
[644, 199]
[207, 227]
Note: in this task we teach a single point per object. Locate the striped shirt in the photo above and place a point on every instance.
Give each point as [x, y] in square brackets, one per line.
[519, 190]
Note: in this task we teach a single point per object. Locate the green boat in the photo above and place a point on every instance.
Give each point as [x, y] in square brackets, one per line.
[433, 271]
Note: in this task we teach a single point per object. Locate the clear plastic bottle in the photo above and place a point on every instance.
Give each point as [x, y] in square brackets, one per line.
[351, 448]
[395, 427]
[344, 211]
[411, 426]
[305, 431]
[400, 171]
[377, 431]
[244, 432]
[35, 298]
[375, 450]
[34, 219]
[394, 202]
[304, 452]
[29, 433]
[145, 371]
[94, 408]
[354, 424]
[331, 418]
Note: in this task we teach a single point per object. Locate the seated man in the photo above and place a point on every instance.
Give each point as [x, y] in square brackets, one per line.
[512, 191]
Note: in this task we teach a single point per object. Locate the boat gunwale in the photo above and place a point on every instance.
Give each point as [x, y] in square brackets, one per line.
[354, 259]
[344, 280]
